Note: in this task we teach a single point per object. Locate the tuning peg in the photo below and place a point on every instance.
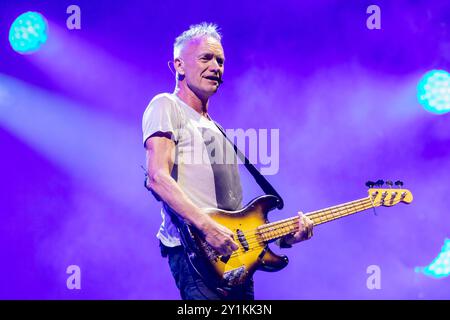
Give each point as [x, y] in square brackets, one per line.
[389, 183]
[370, 184]
[379, 183]
[398, 183]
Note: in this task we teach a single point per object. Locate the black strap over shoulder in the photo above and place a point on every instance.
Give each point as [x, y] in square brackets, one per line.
[260, 179]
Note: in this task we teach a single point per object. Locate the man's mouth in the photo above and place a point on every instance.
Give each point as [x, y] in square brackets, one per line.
[213, 78]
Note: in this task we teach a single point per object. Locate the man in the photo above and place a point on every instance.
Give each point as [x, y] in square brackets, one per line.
[176, 129]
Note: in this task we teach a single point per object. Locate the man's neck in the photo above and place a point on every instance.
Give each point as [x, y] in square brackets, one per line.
[192, 100]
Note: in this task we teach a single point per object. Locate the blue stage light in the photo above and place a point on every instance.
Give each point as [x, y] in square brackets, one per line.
[433, 91]
[28, 32]
[440, 267]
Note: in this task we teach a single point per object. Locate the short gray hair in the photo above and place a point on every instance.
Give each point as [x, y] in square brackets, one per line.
[195, 31]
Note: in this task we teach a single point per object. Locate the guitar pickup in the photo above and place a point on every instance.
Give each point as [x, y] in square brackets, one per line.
[242, 240]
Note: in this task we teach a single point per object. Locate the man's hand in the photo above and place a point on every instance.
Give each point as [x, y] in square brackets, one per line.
[304, 233]
[218, 236]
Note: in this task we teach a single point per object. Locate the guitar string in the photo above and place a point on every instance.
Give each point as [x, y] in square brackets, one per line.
[314, 214]
[295, 222]
[256, 239]
[318, 215]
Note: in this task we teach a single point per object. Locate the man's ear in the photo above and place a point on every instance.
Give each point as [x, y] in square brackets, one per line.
[179, 66]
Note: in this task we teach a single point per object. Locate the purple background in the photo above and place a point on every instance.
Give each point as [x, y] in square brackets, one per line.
[343, 97]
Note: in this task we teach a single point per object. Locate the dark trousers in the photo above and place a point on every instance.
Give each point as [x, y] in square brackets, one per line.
[192, 286]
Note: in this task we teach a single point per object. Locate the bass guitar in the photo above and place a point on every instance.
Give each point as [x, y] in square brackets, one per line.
[253, 232]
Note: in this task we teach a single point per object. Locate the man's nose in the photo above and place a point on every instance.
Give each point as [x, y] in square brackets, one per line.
[215, 66]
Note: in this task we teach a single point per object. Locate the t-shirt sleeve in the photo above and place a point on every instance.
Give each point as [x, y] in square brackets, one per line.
[160, 115]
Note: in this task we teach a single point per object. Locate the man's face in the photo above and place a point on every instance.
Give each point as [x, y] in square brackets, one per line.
[203, 60]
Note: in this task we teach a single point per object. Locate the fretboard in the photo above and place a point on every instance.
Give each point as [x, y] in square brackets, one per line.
[278, 229]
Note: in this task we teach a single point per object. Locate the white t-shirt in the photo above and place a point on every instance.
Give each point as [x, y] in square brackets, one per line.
[205, 162]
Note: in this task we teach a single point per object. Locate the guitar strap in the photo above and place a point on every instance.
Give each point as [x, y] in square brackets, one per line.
[259, 178]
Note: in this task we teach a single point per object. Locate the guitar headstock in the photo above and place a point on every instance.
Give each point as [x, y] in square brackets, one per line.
[388, 197]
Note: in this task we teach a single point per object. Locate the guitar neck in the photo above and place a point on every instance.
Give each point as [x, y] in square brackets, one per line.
[278, 229]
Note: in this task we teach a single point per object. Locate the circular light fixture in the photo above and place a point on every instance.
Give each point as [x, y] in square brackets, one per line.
[433, 91]
[28, 32]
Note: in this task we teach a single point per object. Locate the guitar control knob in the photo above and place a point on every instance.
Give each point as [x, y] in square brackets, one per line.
[389, 183]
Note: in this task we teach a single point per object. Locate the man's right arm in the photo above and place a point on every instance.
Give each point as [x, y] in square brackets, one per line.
[160, 160]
